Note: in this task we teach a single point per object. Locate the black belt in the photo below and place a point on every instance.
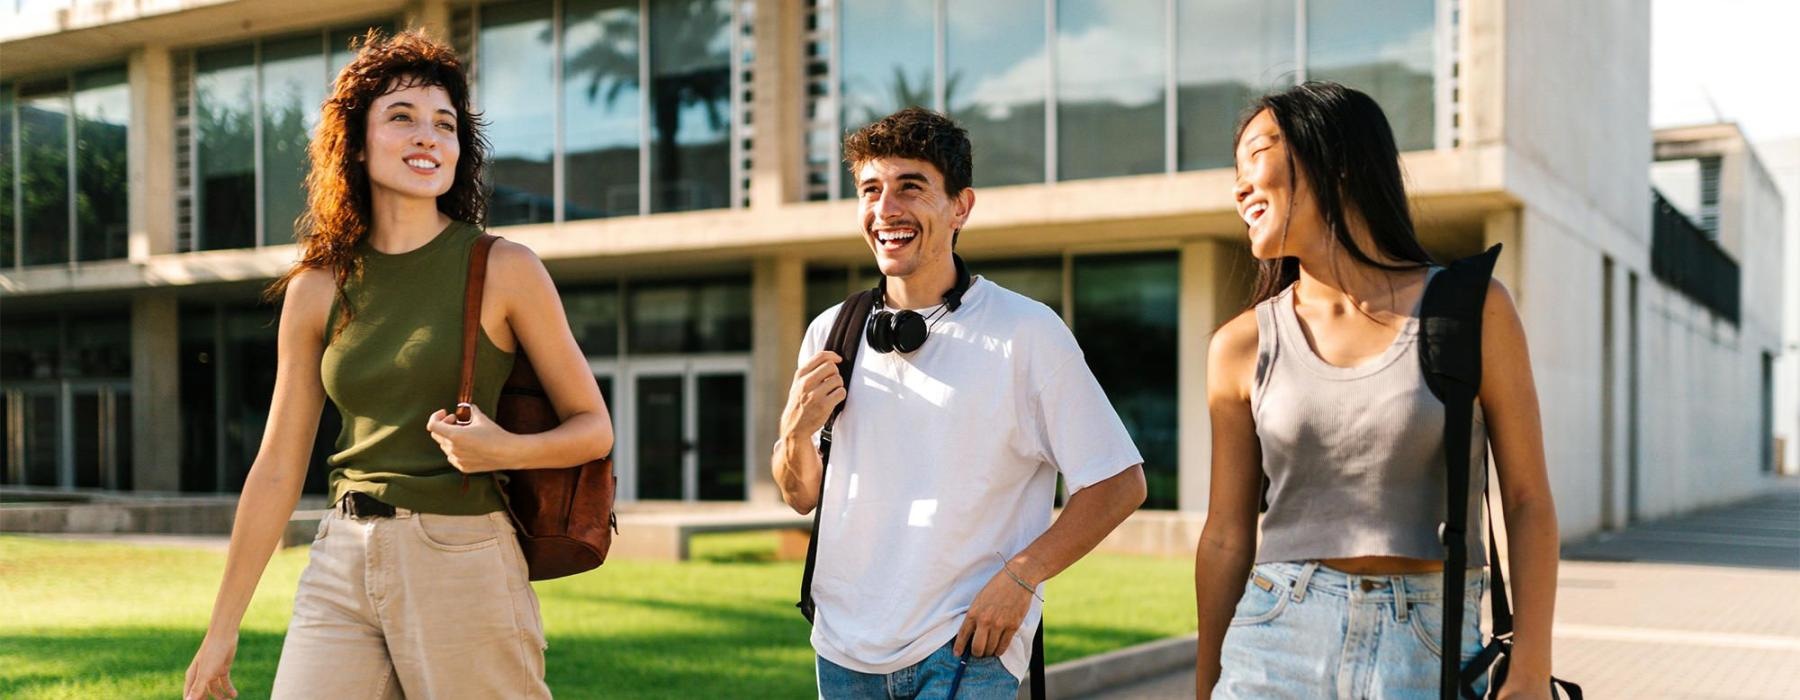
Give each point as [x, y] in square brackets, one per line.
[361, 505]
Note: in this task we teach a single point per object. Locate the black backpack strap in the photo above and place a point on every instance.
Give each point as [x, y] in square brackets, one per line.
[1037, 662]
[1450, 358]
[845, 340]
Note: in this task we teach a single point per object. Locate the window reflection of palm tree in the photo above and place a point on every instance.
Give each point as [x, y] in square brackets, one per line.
[690, 66]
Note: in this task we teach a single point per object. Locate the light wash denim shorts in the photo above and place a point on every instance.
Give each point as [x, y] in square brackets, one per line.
[1307, 631]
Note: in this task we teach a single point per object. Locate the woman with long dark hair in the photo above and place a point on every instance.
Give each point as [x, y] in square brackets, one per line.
[1318, 386]
[416, 585]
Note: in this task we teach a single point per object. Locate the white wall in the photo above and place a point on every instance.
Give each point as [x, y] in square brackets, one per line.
[1578, 153]
[1783, 161]
[1700, 407]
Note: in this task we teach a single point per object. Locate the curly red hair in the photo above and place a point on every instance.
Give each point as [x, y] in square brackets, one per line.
[337, 187]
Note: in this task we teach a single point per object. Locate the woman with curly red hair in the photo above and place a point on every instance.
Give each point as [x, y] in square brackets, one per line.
[416, 586]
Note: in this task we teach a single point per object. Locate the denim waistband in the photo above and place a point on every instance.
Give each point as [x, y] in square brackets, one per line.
[1314, 577]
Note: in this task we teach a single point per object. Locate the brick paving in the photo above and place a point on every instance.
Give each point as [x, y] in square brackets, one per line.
[1696, 607]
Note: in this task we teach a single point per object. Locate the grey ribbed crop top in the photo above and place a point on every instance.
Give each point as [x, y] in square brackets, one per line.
[1354, 455]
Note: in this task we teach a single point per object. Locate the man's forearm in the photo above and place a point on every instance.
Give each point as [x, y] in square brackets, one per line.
[797, 470]
[1089, 516]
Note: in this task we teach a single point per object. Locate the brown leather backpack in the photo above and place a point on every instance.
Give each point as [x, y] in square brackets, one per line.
[564, 517]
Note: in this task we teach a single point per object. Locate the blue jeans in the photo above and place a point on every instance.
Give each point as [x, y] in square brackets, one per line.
[985, 678]
[1305, 631]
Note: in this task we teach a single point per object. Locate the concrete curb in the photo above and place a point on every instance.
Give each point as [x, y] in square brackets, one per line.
[1073, 679]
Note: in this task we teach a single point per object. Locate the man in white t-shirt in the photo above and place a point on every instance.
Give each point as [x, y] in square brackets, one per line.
[935, 537]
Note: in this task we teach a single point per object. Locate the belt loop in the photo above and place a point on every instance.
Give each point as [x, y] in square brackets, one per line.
[1400, 603]
[1305, 580]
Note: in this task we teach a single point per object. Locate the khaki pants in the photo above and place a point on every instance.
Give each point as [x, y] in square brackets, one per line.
[419, 606]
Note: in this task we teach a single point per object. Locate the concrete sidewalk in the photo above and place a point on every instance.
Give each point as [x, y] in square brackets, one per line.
[1700, 606]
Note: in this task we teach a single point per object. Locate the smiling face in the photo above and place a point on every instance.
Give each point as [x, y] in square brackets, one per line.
[908, 219]
[1273, 199]
[411, 147]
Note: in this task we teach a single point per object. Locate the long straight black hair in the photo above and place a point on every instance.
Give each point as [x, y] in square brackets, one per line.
[1340, 138]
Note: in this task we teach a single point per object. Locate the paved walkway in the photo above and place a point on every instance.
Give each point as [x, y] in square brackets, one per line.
[1702, 606]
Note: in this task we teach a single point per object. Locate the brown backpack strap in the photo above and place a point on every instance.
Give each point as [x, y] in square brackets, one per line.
[478, 260]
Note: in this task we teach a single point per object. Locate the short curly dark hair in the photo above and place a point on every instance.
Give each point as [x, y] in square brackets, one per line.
[919, 134]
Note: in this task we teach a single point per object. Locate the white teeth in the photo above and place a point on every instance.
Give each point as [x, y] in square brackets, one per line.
[1254, 212]
[422, 163]
[896, 236]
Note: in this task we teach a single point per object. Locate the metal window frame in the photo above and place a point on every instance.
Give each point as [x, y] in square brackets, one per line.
[1051, 125]
[18, 189]
[645, 137]
[834, 91]
[559, 186]
[74, 213]
[256, 141]
[940, 56]
[1300, 36]
[737, 128]
[1444, 45]
[1171, 63]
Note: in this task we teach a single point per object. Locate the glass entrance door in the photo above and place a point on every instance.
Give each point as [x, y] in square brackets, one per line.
[68, 434]
[683, 427]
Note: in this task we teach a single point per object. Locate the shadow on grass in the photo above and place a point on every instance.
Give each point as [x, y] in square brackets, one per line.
[750, 649]
[127, 662]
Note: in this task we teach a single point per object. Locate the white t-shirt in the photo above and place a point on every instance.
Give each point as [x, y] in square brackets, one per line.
[941, 459]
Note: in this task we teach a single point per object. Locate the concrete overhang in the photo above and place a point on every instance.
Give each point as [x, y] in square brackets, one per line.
[89, 33]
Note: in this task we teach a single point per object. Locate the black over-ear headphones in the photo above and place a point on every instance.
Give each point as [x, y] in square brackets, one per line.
[906, 330]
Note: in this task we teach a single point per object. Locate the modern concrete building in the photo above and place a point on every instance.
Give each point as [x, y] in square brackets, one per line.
[675, 162]
[1783, 160]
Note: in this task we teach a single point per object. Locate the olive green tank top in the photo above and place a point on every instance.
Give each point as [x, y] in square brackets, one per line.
[397, 362]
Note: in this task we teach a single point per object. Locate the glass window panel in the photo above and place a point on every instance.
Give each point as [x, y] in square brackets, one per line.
[30, 349]
[661, 441]
[603, 123]
[88, 438]
[199, 400]
[886, 61]
[594, 318]
[225, 135]
[1111, 60]
[688, 317]
[1230, 53]
[1126, 321]
[8, 243]
[1040, 279]
[515, 53]
[994, 86]
[99, 346]
[720, 407]
[41, 423]
[102, 120]
[825, 287]
[722, 318]
[44, 177]
[293, 85]
[249, 354]
[690, 105]
[119, 434]
[1385, 48]
[340, 43]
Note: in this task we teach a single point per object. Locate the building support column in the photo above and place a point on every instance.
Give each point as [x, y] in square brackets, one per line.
[778, 316]
[1505, 227]
[155, 392]
[1215, 282]
[150, 154]
[433, 16]
[778, 145]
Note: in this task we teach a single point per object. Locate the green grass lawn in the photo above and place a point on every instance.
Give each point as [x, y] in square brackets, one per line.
[90, 620]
